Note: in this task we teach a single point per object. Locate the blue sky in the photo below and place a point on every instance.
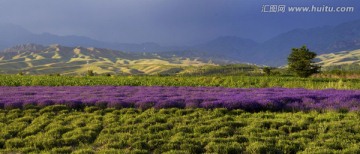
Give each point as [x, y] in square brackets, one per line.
[168, 22]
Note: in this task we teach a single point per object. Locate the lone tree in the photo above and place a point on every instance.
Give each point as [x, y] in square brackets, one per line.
[90, 73]
[301, 62]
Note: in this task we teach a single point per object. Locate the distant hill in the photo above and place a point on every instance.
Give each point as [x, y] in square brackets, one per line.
[345, 60]
[38, 59]
[272, 52]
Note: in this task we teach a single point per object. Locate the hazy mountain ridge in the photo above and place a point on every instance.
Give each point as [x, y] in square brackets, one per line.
[12, 35]
[30, 47]
[321, 40]
[272, 52]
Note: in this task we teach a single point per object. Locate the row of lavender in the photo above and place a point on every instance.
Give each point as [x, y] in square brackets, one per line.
[274, 99]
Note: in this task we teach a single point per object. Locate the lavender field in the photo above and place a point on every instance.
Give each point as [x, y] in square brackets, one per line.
[253, 99]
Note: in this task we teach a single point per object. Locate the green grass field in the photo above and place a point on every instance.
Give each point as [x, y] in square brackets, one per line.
[58, 129]
[223, 81]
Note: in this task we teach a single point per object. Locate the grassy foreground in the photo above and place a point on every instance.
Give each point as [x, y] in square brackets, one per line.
[58, 129]
[195, 81]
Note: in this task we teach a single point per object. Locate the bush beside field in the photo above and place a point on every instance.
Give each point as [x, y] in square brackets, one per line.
[59, 129]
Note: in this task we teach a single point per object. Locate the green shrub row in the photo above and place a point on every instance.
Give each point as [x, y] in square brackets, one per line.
[58, 129]
[223, 81]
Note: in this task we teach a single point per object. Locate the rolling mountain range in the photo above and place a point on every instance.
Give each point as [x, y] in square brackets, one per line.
[38, 59]
[273, 52]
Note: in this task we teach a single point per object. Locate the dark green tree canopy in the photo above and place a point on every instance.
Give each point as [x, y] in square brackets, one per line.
[267, 70]
[301, 62]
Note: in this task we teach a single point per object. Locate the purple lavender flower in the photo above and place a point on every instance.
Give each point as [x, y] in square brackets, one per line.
[251, 99]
